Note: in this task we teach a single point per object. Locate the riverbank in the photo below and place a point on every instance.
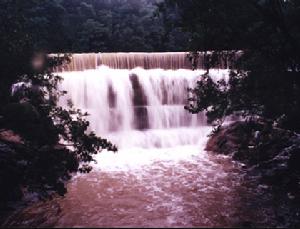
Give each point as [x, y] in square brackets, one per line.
[29, 174]
[271, 156]
[172, 188]
[178, 186]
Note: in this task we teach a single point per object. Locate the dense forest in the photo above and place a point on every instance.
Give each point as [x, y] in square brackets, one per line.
[93, 26]
[264, 87]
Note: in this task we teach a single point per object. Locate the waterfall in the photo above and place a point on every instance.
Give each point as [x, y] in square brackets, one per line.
[137, 107]
[161, 176]
[164, 60]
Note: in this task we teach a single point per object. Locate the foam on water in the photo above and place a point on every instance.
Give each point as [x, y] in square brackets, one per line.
[161, 176]
[125, 100]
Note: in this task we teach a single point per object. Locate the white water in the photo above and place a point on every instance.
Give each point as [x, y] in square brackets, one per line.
[161, 176]
[121, 102]
[141, 111]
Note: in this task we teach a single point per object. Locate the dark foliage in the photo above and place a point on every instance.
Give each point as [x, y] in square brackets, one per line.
[263, 87]
[55, 140]
[265, 80]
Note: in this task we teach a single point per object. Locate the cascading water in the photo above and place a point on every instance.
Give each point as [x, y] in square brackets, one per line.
[161, 175]
[137, 108]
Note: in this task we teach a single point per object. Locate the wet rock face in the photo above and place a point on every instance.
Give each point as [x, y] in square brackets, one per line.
[230, 139]
[273, 151]
[139, 98]
[271, 155]
[251, 142]
[140, 104]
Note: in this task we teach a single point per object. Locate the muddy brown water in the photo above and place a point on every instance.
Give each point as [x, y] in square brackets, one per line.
[192, 190]
[161, 176]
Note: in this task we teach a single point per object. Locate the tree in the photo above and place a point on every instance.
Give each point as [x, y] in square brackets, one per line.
[265, 80]
[56, 140]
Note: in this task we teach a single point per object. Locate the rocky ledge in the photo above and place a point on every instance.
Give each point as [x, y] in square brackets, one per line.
[271, 156]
